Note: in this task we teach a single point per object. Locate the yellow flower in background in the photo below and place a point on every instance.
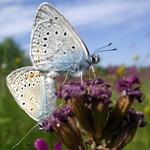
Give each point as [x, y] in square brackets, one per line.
[136, 57]
[147, 109]
[120, 70]
[17, 60]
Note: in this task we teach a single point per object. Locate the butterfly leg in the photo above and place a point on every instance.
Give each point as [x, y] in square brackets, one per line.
[66, 77]
[81, 77]
[92, 72]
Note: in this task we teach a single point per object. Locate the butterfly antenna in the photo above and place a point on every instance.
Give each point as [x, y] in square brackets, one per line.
[25, 136]
[100, 49]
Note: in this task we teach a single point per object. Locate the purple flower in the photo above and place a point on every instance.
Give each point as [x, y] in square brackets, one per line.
[94, 89]
[57, 146]
[135, 118]
[59, 114]
[127, 83]
[87, 110]
[120, 110]
[40, 144]
[90, 104]
[133, 79]
[71, 90]
[63, 124]
[128, 87]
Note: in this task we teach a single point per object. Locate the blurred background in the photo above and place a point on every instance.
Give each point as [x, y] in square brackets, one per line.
[124, 23]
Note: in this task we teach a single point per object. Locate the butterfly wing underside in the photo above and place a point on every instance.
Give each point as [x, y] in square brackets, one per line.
[28, 88]
[54, 42]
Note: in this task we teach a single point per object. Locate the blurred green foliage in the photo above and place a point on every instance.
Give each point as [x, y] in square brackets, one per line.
[11, 56]
[15, 123]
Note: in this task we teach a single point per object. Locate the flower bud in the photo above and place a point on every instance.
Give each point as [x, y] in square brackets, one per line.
[127, 130]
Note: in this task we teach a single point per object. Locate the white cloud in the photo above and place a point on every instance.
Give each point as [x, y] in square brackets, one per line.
[106, 12]
[15, 19]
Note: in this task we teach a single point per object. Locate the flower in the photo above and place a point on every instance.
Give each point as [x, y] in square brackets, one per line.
[126, 130]
[17, 60]
[63, 124]
[123, 104]
[90, 104]
[127, 85]
[87, 112]
[57, 146]
[40, 144]
[147, 109]
[120, 70]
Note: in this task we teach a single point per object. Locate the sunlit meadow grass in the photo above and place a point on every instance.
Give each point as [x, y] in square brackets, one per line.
[15, 123]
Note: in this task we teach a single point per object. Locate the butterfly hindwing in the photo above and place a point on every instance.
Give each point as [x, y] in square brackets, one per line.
[28, 87]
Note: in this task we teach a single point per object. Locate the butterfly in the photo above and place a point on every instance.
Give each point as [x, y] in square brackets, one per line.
[55, 45]
[33, 90]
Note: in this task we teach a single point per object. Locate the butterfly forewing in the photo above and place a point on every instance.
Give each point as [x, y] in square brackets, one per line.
[54, 43]
[28, 87]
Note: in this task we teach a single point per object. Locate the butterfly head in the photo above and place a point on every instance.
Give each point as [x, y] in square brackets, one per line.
[94, 59]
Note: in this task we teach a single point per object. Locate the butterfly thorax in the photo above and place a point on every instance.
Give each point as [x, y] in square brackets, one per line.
[80, 68]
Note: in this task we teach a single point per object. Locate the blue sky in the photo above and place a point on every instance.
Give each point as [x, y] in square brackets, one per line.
[125, 23]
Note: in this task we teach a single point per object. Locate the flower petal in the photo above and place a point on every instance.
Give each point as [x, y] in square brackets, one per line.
[57, 146]
[40, 144]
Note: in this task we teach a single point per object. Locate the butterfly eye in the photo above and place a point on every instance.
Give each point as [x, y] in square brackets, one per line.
[94, 59]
